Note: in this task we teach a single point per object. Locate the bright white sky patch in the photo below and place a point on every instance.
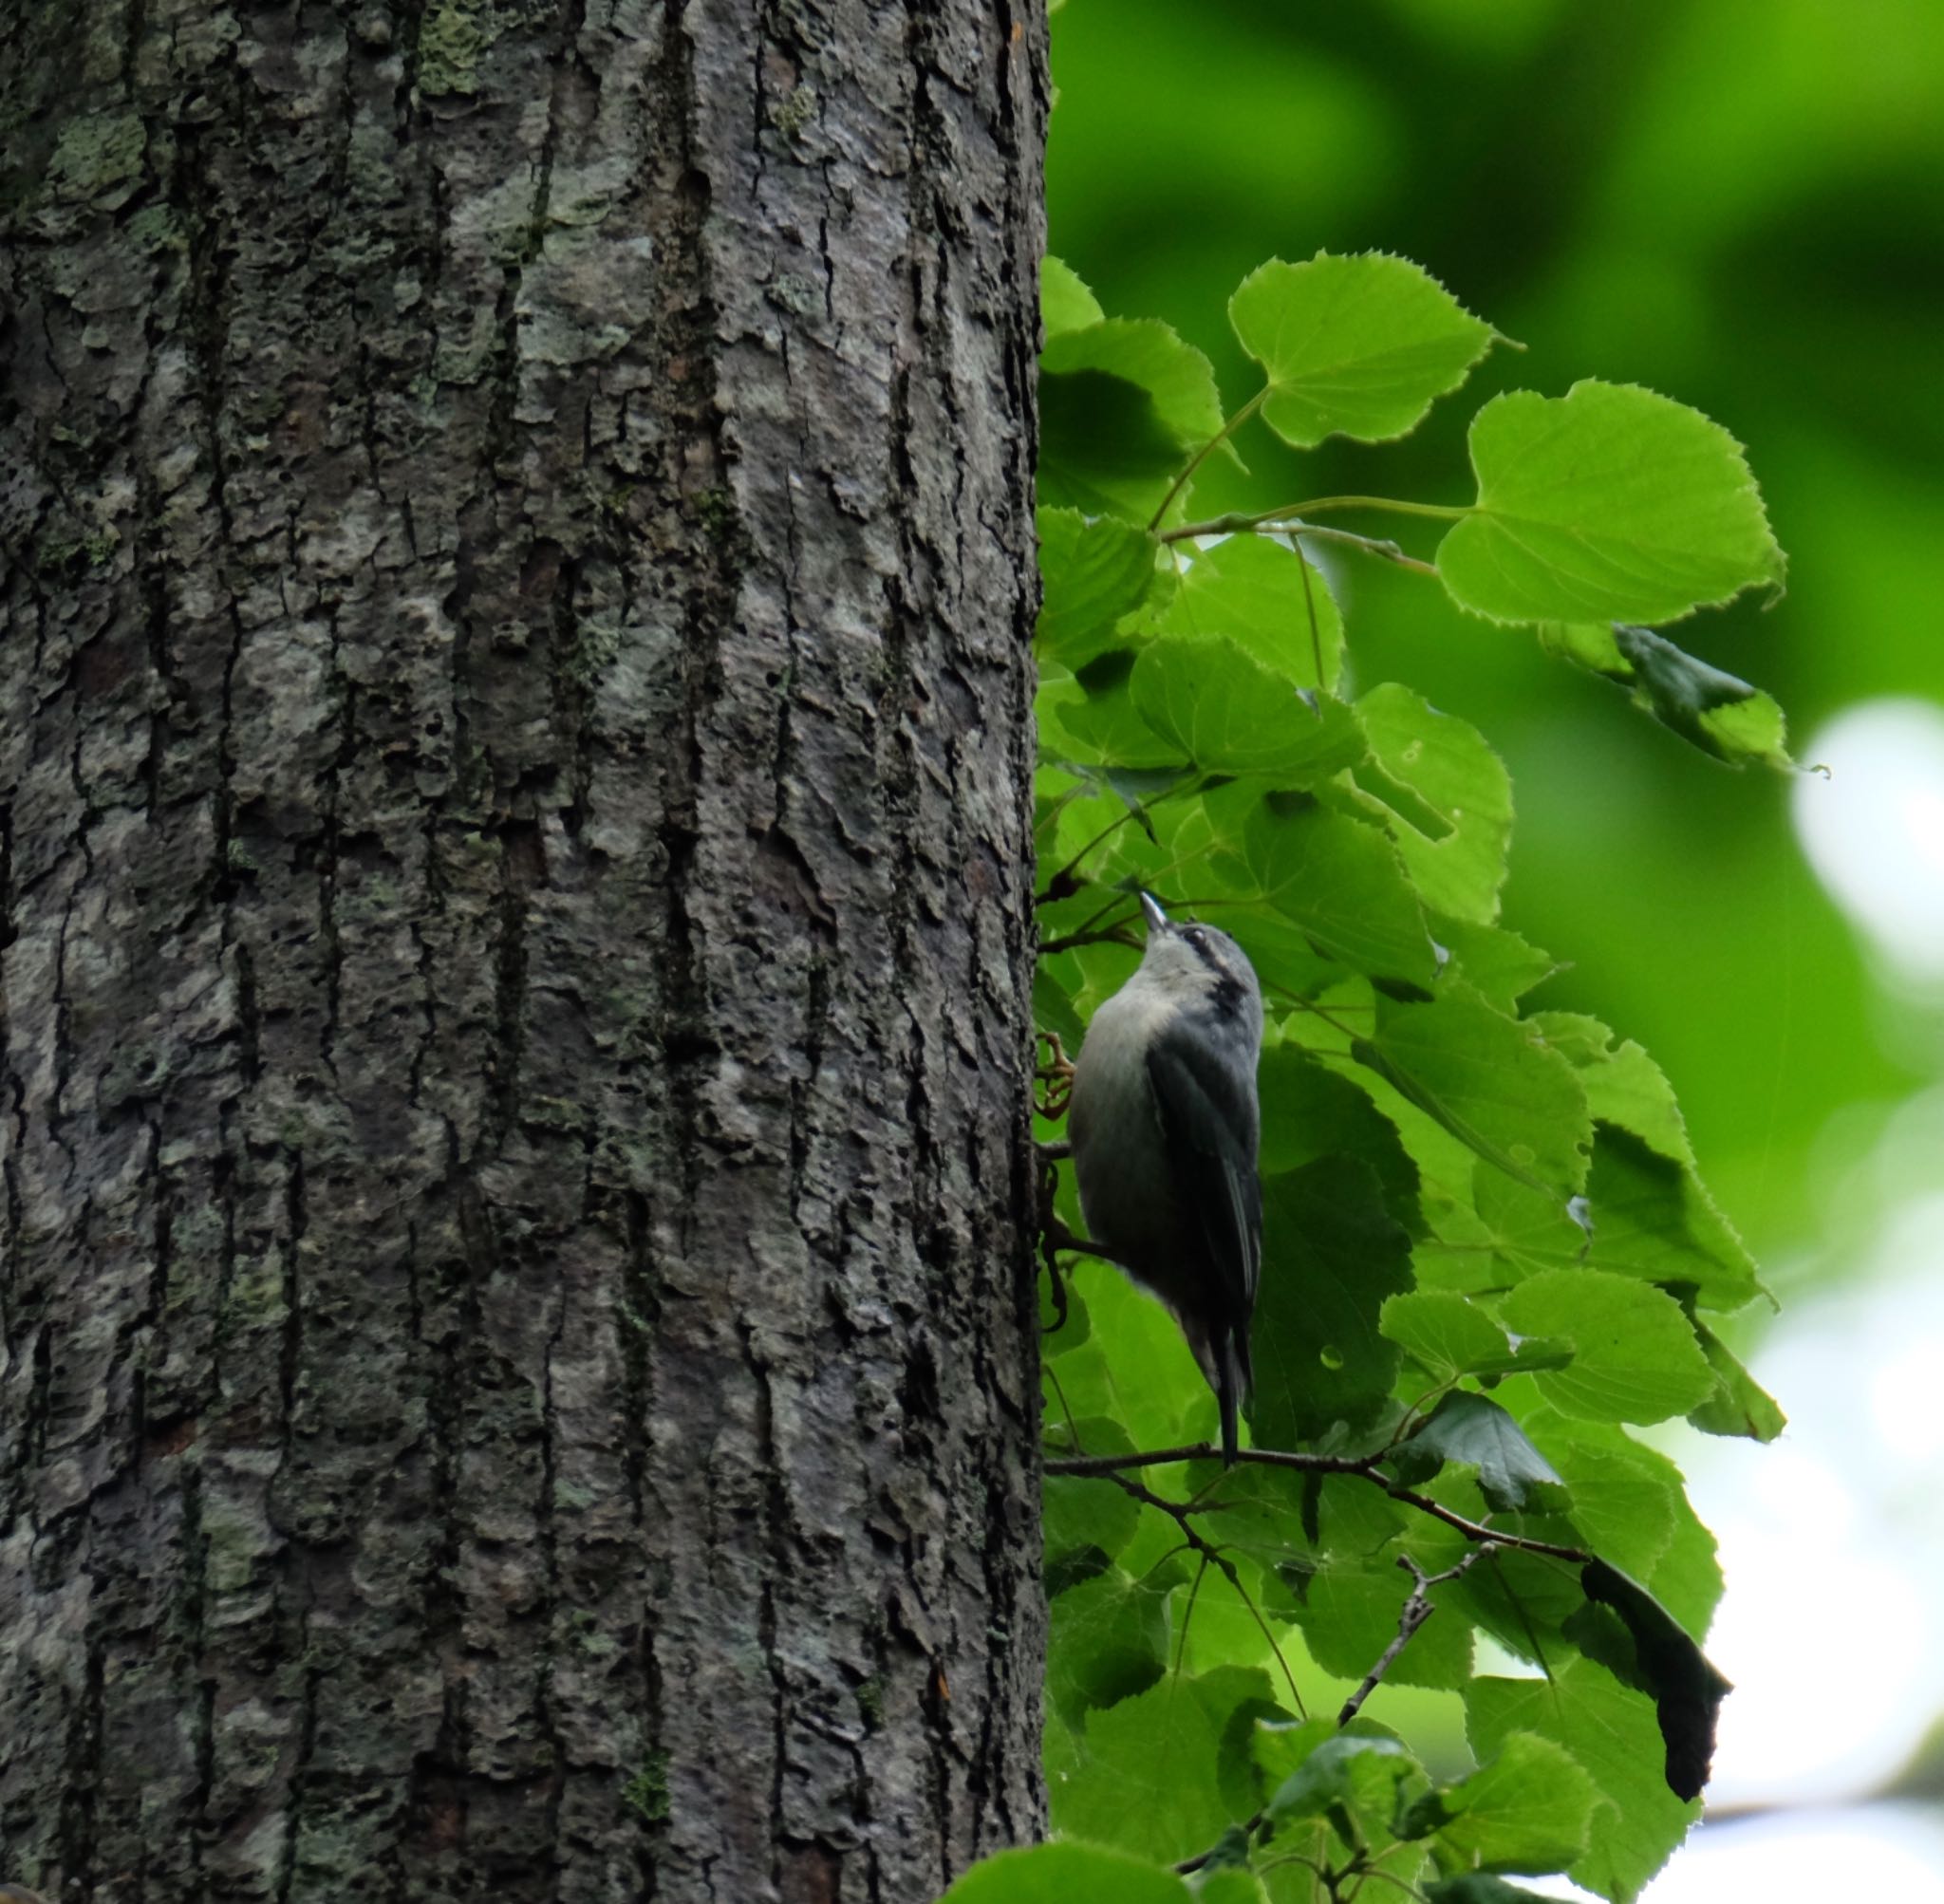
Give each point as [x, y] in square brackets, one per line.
[1874, 830]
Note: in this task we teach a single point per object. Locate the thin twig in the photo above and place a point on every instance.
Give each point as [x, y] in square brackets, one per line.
[1243, 524]
[1381, 547]
[1418, 1608]
[1474, 1530]
[1207, 449]
[1181, 1514]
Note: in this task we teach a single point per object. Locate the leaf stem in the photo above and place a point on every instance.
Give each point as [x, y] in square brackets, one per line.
[1207, 449]
[1321, 505]
[1368, 545]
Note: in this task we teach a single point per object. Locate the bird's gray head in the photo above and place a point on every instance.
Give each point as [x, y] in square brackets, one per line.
[1194, 965]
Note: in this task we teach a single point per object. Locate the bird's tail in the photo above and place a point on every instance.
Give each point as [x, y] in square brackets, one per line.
[1231, 1390]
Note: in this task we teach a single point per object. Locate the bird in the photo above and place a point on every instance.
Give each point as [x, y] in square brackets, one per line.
[1164, 1123]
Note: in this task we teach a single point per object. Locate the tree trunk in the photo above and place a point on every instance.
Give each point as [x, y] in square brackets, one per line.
[519, 1367]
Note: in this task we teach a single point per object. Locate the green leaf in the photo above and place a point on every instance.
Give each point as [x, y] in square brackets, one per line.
[1214, 705]
[1145, 1775]
[1739, 1404]
[1480, 1886]
[1331, 1254]
[1269, 600]
[1357, 346]
[1653, 1218]
[1096, 571]
[1349, 1608]
[1718, 713]
[1067, 1874]
[1081, 1511]
[1134, 1366]
[1634, 1357]
[1611, 1730]
[1467, 1430]
[1228, 1884]
[1096, 714]
[1627, 1499]
[1497, 964]
[1454, 832]
[1310, 1112]
[1364, 1773]
[1065, 303]
[1687, 1689]
[1448, 1336]
[1489, 1081]
[1109, 1638]
[1342, 882]
[1608, 504]
[1530, 1810]
[1623, 1085]
[1123, 404]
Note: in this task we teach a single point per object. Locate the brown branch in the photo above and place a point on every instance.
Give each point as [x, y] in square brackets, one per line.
[1263, 1457]
[1363, 1468]
[1476, 1530]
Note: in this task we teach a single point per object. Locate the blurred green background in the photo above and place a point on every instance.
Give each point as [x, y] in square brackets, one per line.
[1740, 205]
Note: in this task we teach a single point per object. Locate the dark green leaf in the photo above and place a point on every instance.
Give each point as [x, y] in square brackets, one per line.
[1653, 1218]
[1468, 1431]
[1146, 1775]
[1108, 1638]
[1310, 1112]
[1262, 596]
[1067, 1874]
[1480, 1886]
[1362, 1772]
[1455, 845]
[1739, 1404]
[1488, 1081]
[1723, 716]
[1611, 1730]
[1123, 404]
[1096, 571]
[1081, 1511]
[1217, 706]
[1342, 884]
[1349, 1610]
[1331, 1254]
[1530, 1810]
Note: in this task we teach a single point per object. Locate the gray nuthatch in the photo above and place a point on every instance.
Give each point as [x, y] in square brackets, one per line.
[1164, 1122]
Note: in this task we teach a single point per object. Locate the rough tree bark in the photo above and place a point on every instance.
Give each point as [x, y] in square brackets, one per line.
[518, 1365]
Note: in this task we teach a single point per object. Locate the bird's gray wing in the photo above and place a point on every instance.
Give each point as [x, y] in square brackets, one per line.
[1209, 1118]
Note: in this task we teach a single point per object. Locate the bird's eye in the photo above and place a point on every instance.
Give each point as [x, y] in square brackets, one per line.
[1196, 938]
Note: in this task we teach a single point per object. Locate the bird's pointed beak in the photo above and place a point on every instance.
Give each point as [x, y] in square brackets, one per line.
[1152, 908]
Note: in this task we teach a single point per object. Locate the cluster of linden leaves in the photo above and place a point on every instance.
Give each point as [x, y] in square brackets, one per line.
[1487, 1250]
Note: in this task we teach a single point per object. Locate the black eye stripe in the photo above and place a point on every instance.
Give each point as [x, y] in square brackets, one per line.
[1205, 950]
